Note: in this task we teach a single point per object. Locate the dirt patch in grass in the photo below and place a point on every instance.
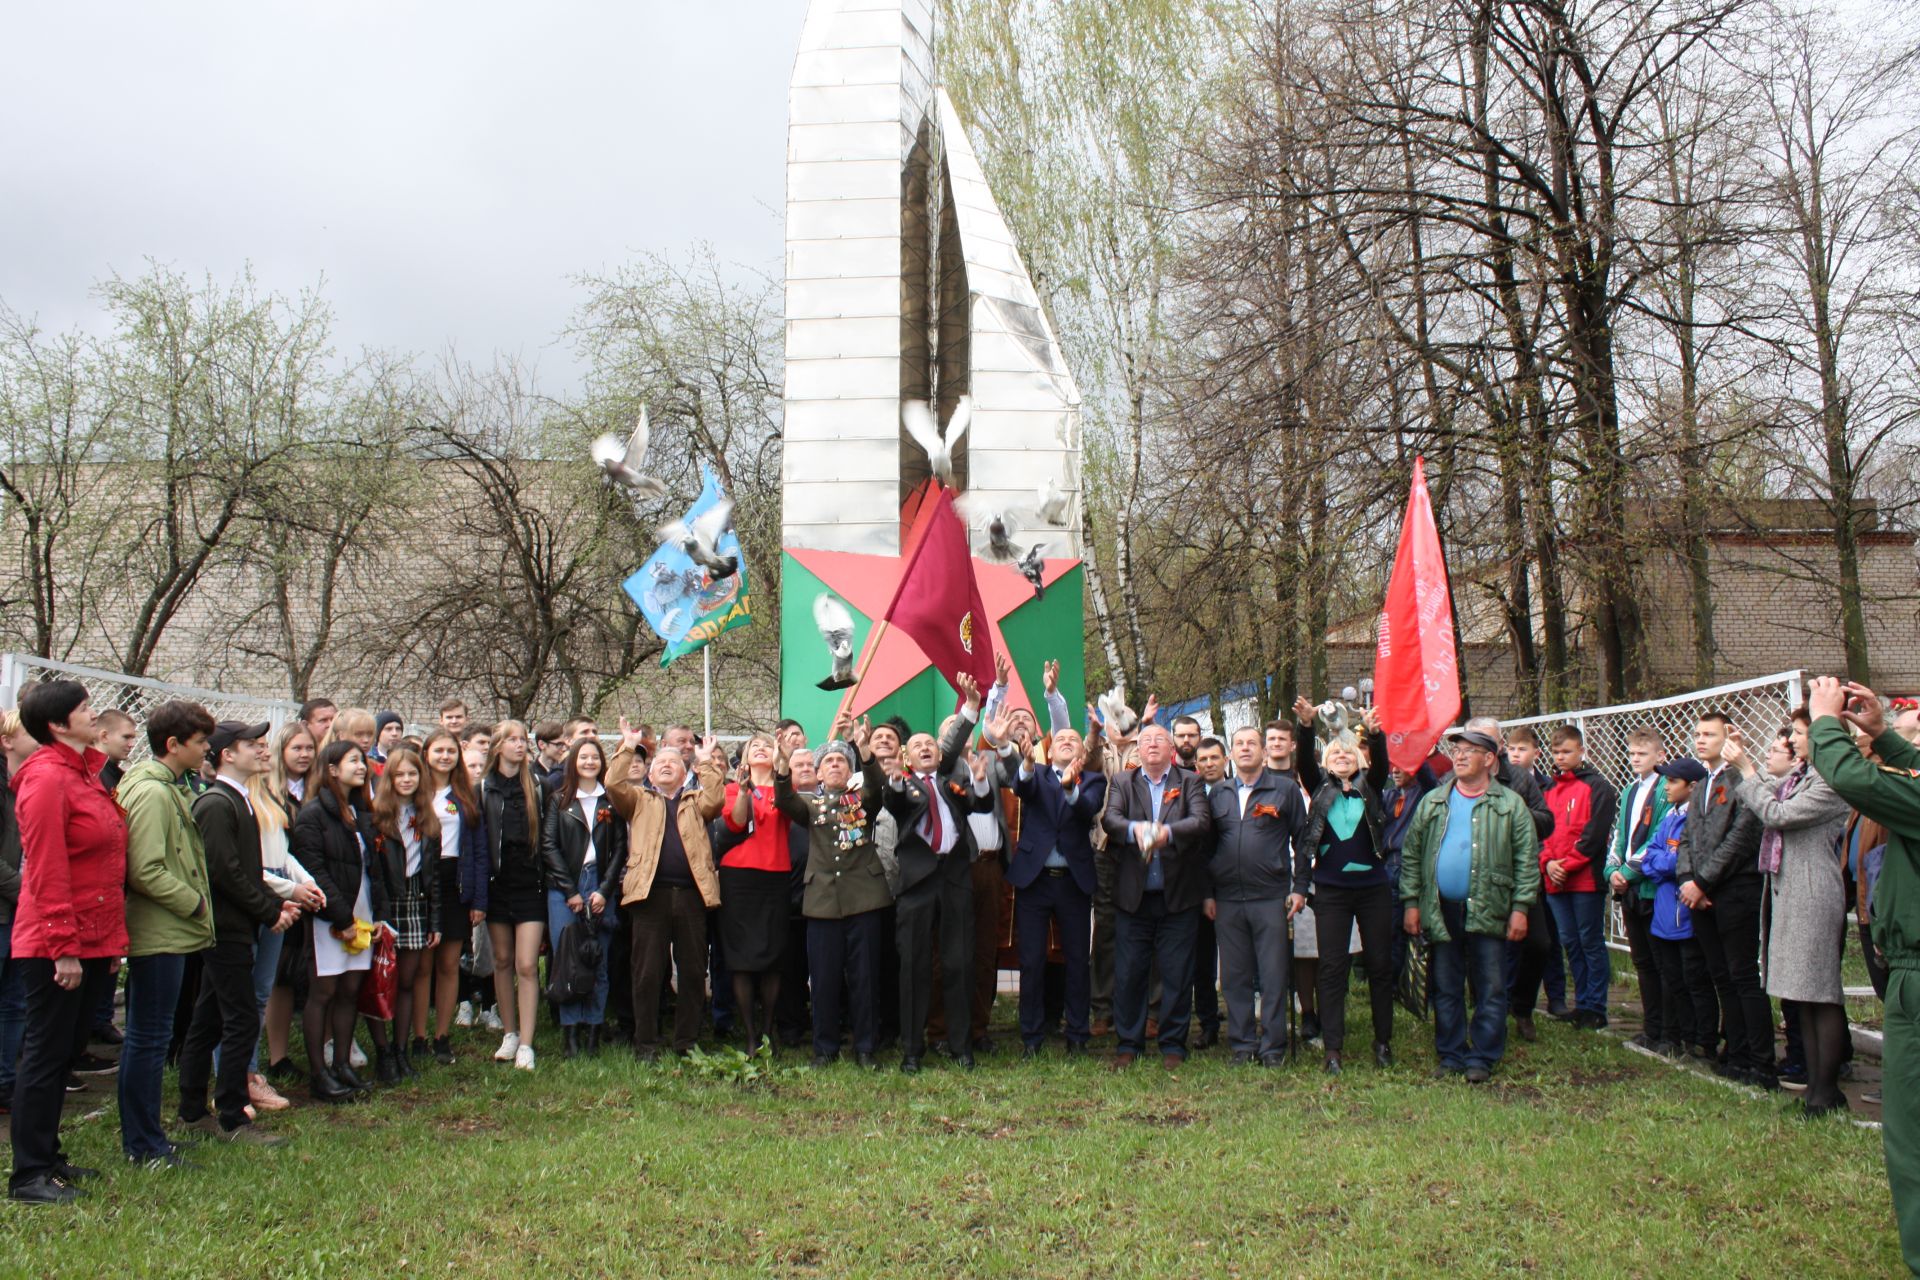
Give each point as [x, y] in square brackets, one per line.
[1168, 1118]
[471, 1126]
[1583, 1077]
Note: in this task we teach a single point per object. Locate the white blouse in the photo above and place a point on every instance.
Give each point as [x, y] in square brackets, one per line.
[410, 838]
[449, 822]
[589, 802]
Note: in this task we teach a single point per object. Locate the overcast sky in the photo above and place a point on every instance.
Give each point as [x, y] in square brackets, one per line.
[444, 166]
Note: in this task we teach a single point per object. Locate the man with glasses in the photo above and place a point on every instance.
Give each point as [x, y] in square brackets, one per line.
[1469, 873]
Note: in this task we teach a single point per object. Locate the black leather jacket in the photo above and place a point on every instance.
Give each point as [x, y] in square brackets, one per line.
[495, 803]
[563, 846]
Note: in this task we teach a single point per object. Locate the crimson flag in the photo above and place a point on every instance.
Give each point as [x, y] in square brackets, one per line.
[938, 600]
[1416, 672]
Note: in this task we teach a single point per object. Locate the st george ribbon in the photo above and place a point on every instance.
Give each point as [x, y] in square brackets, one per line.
[680, 600]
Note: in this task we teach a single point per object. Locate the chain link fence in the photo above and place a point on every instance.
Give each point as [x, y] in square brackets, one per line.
[136, 695]
[1757, 707]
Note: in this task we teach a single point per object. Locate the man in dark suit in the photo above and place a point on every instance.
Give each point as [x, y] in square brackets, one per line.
[1052, 872]
[227, 1010]
[930, 799]
[1720, 882]
[1159, 832]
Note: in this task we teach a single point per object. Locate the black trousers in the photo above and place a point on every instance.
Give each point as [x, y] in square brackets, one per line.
[790, 1017]
[57, 1025]
[1653, 995]
[1690, 1014]
[1876, 972]
[843, 956]
[1729, 938]
[1336, 909]
[225, 1013]
[948, 902]
[1530, 957]
[1206, 978]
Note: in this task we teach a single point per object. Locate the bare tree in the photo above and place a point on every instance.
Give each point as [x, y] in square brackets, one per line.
[1843, 156]
[57, 418]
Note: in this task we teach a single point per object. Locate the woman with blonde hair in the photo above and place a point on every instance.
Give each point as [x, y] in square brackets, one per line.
[513, 800]
[756, 874]
[288, 781]
[1341, 860]
[360, 727]
[289, 882]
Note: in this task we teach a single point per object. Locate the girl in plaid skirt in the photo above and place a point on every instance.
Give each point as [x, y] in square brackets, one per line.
[409, 832]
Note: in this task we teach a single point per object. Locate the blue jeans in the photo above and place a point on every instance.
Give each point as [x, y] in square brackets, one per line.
[153, 989]
[1581, 920]
[1140, 937]
[266, 965]
[592, 1010]
[1475, 958]
[13, 1013]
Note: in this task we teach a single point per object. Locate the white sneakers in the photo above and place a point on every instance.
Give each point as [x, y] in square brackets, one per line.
[355, 1058]
[491, 1020]
[509, 1047]
[523, 1057]
[463, 1016]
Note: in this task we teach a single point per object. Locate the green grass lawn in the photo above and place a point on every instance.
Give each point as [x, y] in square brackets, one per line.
[1581, 1157]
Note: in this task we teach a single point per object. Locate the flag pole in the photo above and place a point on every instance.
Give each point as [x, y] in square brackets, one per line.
[866, 660]
[706, 681]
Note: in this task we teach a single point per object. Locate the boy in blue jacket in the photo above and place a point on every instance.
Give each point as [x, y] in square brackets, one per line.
[1690, 1015]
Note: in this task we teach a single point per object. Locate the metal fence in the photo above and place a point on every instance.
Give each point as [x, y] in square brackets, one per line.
[1757, 707]
[136, 695]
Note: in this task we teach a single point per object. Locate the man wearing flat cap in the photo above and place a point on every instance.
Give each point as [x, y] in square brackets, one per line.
[1469, 873]
[227, 1011]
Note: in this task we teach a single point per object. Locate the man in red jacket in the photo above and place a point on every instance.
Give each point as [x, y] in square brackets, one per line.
[1583, 805]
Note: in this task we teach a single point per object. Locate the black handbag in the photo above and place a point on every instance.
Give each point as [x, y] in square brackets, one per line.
[575, 966]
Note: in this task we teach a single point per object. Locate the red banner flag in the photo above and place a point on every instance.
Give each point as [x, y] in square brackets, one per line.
[1416, 673]
[938, 601]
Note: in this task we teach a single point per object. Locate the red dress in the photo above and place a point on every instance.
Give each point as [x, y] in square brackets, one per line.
[73, 859]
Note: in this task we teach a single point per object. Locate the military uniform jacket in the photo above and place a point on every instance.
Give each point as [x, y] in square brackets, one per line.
[844, 876]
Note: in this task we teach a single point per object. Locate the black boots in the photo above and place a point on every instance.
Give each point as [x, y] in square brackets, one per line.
[325, 1088]
[570, 1042]
[593, 1038]
[386, 1064]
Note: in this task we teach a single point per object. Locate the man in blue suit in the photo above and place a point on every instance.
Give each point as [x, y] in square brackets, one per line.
[1061, 792]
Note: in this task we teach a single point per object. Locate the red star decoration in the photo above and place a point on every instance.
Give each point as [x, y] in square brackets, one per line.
[868, 583]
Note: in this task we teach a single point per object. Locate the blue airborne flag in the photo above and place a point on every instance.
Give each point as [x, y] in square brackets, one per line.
[680, 600]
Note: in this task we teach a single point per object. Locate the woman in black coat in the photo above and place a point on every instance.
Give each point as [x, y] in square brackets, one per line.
[584, 847]
[333, 838]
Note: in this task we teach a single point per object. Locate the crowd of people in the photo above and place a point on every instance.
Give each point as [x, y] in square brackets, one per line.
[1169, 888]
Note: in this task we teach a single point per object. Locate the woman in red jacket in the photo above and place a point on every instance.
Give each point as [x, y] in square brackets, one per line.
[71, 926]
